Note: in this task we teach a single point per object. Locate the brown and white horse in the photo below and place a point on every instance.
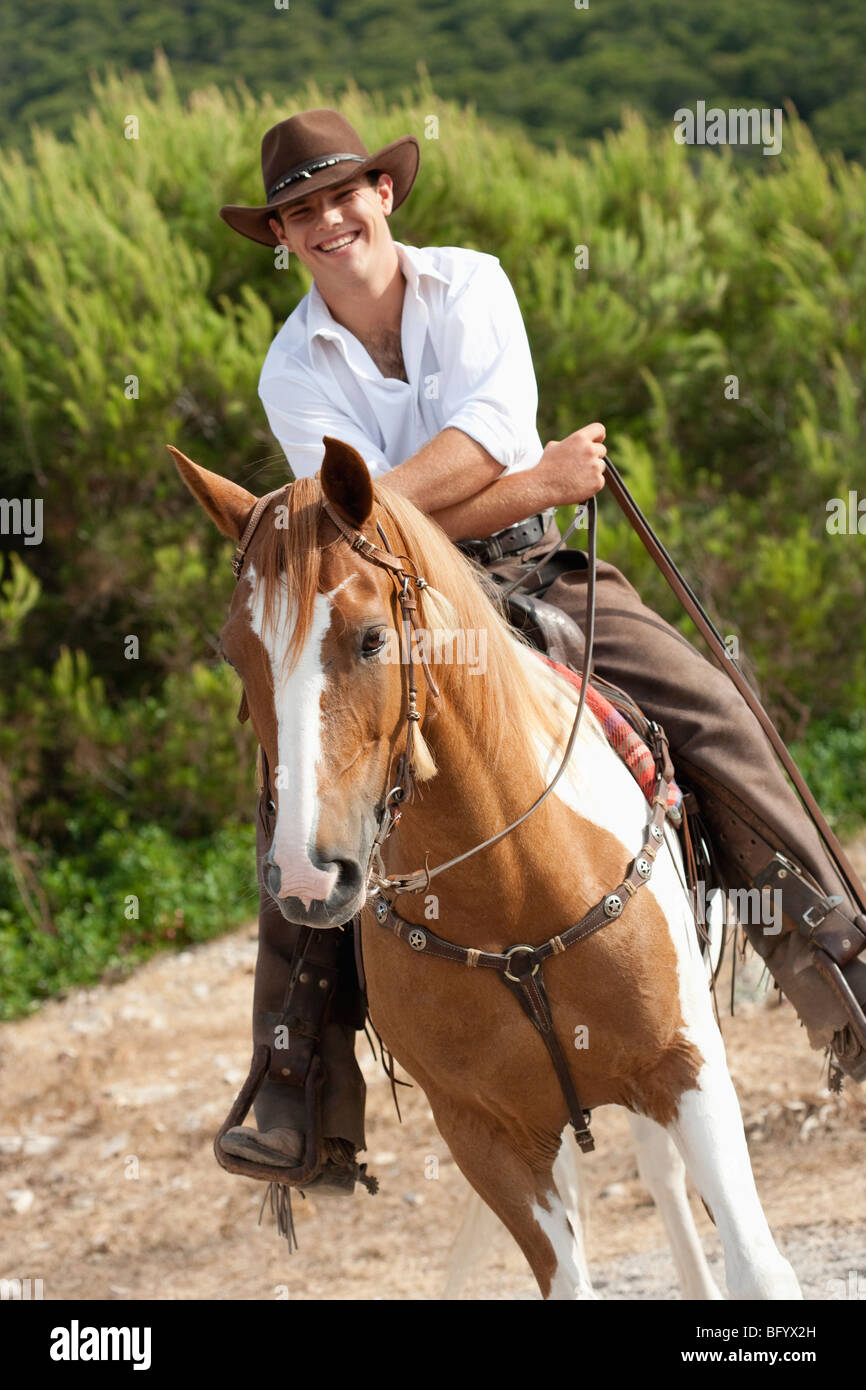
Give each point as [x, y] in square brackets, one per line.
[308, 626]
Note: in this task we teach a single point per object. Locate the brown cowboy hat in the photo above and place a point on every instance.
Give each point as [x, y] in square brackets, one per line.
[314, 150]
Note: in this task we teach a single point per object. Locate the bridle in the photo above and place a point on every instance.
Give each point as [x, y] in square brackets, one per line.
[409, 583]
[519, 966]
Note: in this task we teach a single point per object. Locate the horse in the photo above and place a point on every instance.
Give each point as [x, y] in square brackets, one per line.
[311, 631]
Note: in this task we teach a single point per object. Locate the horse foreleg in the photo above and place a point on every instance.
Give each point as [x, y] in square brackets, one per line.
[522, 1193]
[663, 1172]
[480, 1225]
[478, 1230]
[708, 1132]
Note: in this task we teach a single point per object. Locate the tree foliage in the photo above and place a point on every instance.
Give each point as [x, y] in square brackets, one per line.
[556, 70]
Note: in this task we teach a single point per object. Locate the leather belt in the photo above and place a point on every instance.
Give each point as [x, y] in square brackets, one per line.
[510, 541]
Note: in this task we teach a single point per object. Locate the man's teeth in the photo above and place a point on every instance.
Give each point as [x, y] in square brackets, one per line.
[341, 241]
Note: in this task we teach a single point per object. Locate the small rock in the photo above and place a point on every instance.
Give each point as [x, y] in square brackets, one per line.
[10, 1143]
[112, 1147]
[20, 1199]
[36, 1144]
[412, 1199]
[613, 1189]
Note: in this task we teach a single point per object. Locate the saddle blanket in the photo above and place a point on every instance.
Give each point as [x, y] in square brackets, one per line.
[625, 741]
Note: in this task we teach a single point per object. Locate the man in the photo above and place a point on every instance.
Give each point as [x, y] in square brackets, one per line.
[419, 359]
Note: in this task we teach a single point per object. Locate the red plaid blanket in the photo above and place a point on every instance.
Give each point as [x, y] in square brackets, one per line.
[622, 737]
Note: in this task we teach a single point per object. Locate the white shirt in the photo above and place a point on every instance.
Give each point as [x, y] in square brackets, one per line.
[466, 356]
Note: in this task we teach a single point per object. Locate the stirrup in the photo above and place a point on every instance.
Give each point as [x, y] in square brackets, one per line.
[298, 1175]
[319, 1168]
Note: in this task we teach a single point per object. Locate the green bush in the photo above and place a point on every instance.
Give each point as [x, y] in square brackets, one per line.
[186, 892]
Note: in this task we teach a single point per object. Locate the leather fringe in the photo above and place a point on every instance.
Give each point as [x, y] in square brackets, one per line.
[387, 1067]
[280, 1198]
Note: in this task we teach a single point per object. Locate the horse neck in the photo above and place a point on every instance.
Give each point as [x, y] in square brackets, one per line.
[469, 800]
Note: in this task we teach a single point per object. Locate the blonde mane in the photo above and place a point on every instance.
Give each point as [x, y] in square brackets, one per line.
[516, 695]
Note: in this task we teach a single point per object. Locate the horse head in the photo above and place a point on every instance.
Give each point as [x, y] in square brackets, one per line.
[314, 634]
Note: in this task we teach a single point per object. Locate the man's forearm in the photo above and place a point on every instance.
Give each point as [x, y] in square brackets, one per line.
[455, 480]
[462, 487]
[503, 503]
[445, 472]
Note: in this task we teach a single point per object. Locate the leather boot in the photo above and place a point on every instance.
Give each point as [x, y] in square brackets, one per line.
[814, 953]
[288, 1019]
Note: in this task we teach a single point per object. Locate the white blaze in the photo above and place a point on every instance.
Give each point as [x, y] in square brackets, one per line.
[298, 707]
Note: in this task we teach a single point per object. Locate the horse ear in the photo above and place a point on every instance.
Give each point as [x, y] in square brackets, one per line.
[227, 504]
[346, 481]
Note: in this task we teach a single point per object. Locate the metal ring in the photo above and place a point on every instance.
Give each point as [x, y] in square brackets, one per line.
[517, 978]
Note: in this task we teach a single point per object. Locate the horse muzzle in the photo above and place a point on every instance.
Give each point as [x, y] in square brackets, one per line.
[301, 899]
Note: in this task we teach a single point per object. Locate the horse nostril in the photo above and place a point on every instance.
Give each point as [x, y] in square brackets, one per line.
[348, 870]
[348, 874]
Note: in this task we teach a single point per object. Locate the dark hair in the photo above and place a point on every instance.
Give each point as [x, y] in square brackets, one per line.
[372, 177]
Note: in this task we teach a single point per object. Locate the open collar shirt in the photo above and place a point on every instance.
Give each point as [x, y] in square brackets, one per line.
[466, 356]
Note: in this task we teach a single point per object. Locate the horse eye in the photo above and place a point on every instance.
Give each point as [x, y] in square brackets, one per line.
[373, 641]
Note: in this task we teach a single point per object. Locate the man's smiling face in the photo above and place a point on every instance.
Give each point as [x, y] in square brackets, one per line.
[339, 233]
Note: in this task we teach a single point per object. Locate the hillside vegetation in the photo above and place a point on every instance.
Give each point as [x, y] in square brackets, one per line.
[124, 778]
[560, 72]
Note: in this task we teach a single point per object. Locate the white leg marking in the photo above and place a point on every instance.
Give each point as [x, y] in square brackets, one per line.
[569, 1281]
[663, 1172]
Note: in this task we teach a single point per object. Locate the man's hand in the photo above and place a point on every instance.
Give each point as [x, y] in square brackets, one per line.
[572, 468]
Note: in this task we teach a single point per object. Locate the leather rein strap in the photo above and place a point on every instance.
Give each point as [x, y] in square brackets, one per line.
[709, 632]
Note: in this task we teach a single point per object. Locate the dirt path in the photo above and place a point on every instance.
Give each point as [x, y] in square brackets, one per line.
[109, 1188]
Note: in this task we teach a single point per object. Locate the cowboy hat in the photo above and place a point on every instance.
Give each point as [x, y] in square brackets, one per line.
[315, 150]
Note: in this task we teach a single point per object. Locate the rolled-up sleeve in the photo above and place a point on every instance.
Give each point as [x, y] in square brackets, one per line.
[300, 416]
[488, 387]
